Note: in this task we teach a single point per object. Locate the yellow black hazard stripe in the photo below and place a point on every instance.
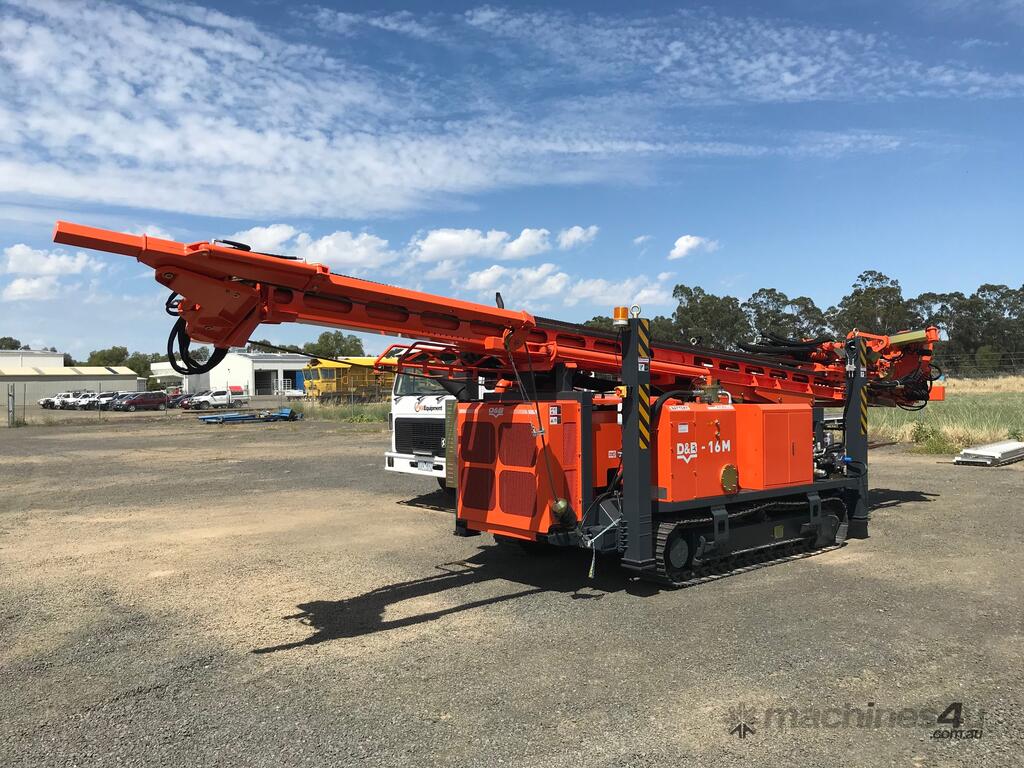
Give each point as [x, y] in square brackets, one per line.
[643, 351]
[863, 350]
[644, 411]
[643, 338]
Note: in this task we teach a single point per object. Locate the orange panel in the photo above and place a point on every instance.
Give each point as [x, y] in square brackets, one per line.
[693, 446]
[503, 471]
[606, 445]
[775, 445]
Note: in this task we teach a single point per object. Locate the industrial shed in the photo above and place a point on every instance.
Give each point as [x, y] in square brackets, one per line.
[33, 383]
[256, 373]
[30, 358]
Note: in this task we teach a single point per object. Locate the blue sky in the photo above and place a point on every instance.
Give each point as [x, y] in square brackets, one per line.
[572, 158]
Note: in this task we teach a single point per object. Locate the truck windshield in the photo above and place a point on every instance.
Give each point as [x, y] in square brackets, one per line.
[416, 385]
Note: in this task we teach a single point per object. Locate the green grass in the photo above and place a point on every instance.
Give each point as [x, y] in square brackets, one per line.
[943, 428]
[950, 425]
[356, 413]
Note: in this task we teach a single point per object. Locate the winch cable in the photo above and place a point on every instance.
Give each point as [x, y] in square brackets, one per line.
[536, 404]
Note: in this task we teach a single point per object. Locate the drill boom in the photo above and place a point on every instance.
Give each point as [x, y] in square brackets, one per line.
[228, 291]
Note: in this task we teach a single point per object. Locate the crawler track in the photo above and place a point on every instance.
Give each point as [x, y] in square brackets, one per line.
[732, 563]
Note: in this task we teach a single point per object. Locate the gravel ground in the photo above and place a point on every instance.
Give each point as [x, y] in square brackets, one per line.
[177, 594]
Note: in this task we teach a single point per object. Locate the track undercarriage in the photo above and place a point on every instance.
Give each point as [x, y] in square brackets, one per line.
[691, 549]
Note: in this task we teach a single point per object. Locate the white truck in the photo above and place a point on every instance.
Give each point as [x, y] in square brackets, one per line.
[417, 428]
[218, 398]
[66, 400]
[85, 401]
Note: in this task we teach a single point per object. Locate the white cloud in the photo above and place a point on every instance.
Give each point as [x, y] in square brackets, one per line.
[401, 22]
[999, 11]
[576, 236]
[524, 285]
[975, 42]
[215, 115]
[529, 243]
[452, 245]
[31, 288]
[152, 230]
[641, 240]
[270, 239]
[687, 244]
[542, 285]
[634, 290]
[19, 259]
[445, 269]
[703, 57]
[338, 250]
[344, 250]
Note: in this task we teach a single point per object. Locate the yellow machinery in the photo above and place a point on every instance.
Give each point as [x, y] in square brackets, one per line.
[348, 380]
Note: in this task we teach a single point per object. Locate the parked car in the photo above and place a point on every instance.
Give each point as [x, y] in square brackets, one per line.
[46, 402]
[218, 398]
[66, 399]
[176, 400]
[85, 401]
[143, 401]
[186, 403]
[111, 404]
[103, 399]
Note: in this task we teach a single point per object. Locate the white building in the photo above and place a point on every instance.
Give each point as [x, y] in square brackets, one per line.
[38, 374]
[31, 384]
[30, 358]
[164, 375]
[255, 373]
[259, 373]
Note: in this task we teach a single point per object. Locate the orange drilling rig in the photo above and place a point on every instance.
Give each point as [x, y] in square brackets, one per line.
[685, 463]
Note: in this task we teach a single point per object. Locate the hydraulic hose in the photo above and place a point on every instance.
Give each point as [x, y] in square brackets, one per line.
[188, 364]
[672, 393]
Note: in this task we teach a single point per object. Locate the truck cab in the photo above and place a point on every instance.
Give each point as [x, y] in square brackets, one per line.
[417, 427]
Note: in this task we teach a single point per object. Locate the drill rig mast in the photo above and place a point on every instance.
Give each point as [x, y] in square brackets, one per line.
[687, 462]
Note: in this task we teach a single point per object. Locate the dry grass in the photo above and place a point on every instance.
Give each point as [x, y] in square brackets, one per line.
[990, 384]
[965, 418]
[356, 413]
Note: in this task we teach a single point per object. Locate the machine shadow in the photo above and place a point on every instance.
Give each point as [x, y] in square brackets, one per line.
[564, 572]
[436, 501]
[883, 498]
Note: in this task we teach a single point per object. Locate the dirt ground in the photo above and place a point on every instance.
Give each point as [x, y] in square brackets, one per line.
[179, 594]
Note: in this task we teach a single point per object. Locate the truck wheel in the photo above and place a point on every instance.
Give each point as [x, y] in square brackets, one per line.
[203, 405]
